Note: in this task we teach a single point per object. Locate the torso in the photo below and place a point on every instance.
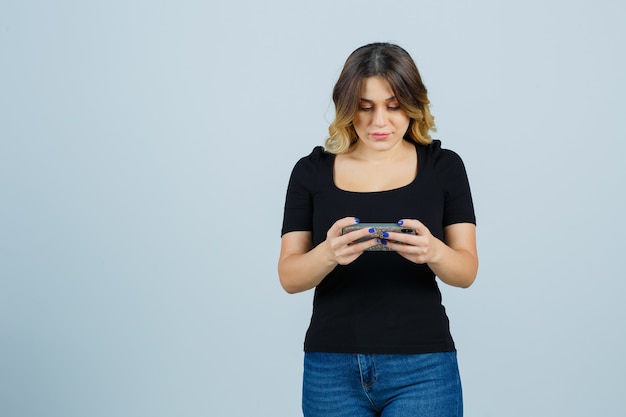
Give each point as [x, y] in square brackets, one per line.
[381, 302]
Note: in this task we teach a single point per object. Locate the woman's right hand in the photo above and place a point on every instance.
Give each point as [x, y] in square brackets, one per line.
[340, 247]
[302, 266]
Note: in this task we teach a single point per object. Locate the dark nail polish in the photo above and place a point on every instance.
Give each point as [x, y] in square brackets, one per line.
[385, 234]
[357, 220]
[400, 222]
[372, 230]
[384, 242]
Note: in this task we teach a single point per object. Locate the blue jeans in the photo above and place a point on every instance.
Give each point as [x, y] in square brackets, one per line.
[394, 385]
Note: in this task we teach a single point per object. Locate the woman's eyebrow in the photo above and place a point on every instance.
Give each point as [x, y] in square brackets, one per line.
[371, 101]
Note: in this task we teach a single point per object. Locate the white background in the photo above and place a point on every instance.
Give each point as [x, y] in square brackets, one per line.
[145, 149]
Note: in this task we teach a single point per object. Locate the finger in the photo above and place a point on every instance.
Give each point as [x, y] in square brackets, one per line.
[410, 252]
[406, 235]
[404, 238]
[347, 221]
[339, 239]
[405, 246]
[360, 235]
[418, 226]
[362, 246]
[337, 227]
[349, 253]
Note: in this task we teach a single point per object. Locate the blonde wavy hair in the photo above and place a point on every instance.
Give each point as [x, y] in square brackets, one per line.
[395, 65]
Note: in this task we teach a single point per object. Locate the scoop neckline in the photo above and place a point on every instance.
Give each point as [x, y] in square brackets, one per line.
[415, 178]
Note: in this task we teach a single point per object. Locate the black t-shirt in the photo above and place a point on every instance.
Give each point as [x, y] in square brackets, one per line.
[380, 303]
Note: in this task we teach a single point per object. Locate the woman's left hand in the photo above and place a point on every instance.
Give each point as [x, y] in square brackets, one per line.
[420, 248]
[454, 260]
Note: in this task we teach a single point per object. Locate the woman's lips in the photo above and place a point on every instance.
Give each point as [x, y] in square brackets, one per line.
[380, 135]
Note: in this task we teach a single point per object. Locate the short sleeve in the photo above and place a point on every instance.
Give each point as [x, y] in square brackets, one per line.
[458, 204]
[298, 214]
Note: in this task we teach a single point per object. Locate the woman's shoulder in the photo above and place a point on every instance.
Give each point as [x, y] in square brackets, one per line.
[317, 156]
[438, 155]
[309, 165]
[318, 153]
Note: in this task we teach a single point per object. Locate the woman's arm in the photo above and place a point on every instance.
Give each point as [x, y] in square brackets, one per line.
[454, 261]
[302, 266]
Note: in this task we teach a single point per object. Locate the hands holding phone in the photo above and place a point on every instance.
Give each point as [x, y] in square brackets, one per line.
[348, 239]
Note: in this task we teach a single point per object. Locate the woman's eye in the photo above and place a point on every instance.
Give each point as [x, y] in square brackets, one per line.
[393, 108]
[365, 108]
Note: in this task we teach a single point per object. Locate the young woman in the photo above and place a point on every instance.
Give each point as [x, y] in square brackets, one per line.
[379, 342]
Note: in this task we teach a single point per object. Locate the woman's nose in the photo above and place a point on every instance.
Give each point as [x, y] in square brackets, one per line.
[380, 117]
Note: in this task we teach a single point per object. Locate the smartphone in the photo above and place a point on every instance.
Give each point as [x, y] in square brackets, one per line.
[380, 228]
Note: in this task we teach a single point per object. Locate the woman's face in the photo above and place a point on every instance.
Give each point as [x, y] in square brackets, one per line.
[379, 122]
